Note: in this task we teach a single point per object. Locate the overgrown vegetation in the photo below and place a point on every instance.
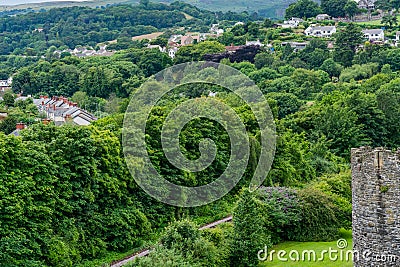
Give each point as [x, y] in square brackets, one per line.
[67, 198]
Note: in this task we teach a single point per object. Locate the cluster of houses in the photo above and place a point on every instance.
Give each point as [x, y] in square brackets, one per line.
[178, 40]
[58, 110]
[61, 110]
[366, 4]
[295, 22]
[86, 52]
[376, 36]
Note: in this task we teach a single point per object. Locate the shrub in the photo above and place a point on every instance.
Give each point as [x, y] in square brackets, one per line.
[251, 230]
[284, 209]
[338, 187]
[164, 257]
[184, 237]
[318, 217]
[358, 72]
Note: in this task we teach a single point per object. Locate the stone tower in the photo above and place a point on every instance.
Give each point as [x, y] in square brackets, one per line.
[376, 203]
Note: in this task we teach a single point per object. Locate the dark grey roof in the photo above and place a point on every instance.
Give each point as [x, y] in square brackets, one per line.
[373, 31]
[323, 28]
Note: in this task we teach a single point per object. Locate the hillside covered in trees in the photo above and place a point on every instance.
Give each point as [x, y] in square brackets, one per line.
[67, 196]
[85, 26]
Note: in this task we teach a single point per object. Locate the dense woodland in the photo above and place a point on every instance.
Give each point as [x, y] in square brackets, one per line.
[67, 198]
[69, 27]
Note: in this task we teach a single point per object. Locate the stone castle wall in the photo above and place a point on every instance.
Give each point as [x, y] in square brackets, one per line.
[376, 203]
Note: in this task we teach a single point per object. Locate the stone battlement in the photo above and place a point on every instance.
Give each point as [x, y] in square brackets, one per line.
[376, 203]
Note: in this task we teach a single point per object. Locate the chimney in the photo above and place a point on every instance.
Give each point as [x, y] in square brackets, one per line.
[20, 126]
[46, 121]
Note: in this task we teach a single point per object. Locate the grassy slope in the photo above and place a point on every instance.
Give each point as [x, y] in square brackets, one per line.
[317, 247]
[376, 23]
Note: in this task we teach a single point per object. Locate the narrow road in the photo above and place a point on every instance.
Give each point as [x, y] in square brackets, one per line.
[146, 252]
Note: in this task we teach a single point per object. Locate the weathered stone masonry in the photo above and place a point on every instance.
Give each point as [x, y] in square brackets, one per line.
[376, 203]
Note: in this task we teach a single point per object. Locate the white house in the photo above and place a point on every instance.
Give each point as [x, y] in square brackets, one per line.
[292, 23]
[320, 31]
[374, 35]
[5, 84]
[162, 49]
[216, 30]
[366, 4]
[257, 43]
[323, 17]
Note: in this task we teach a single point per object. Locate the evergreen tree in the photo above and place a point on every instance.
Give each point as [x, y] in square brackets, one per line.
[251, 230]
[347, 42]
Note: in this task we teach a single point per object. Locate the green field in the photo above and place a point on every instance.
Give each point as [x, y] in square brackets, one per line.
[318, 247]
[376, 23]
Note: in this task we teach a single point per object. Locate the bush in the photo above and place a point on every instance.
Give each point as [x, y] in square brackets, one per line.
[358, 72]
[165, 258]
[184, 238]
[318, 217]
[284, 210]
[338, 187]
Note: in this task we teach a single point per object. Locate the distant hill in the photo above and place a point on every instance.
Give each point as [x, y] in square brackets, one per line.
[272, 8]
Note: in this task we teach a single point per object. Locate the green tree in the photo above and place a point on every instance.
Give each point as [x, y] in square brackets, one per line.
[395, 4]
[303, 9]
[251, 230]
[331, 67]
[383, 5]
[389, 20]
[351, 9]
[9, 99]
[263, 60]
[334, 8]
[197, 51]
[346, 44]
